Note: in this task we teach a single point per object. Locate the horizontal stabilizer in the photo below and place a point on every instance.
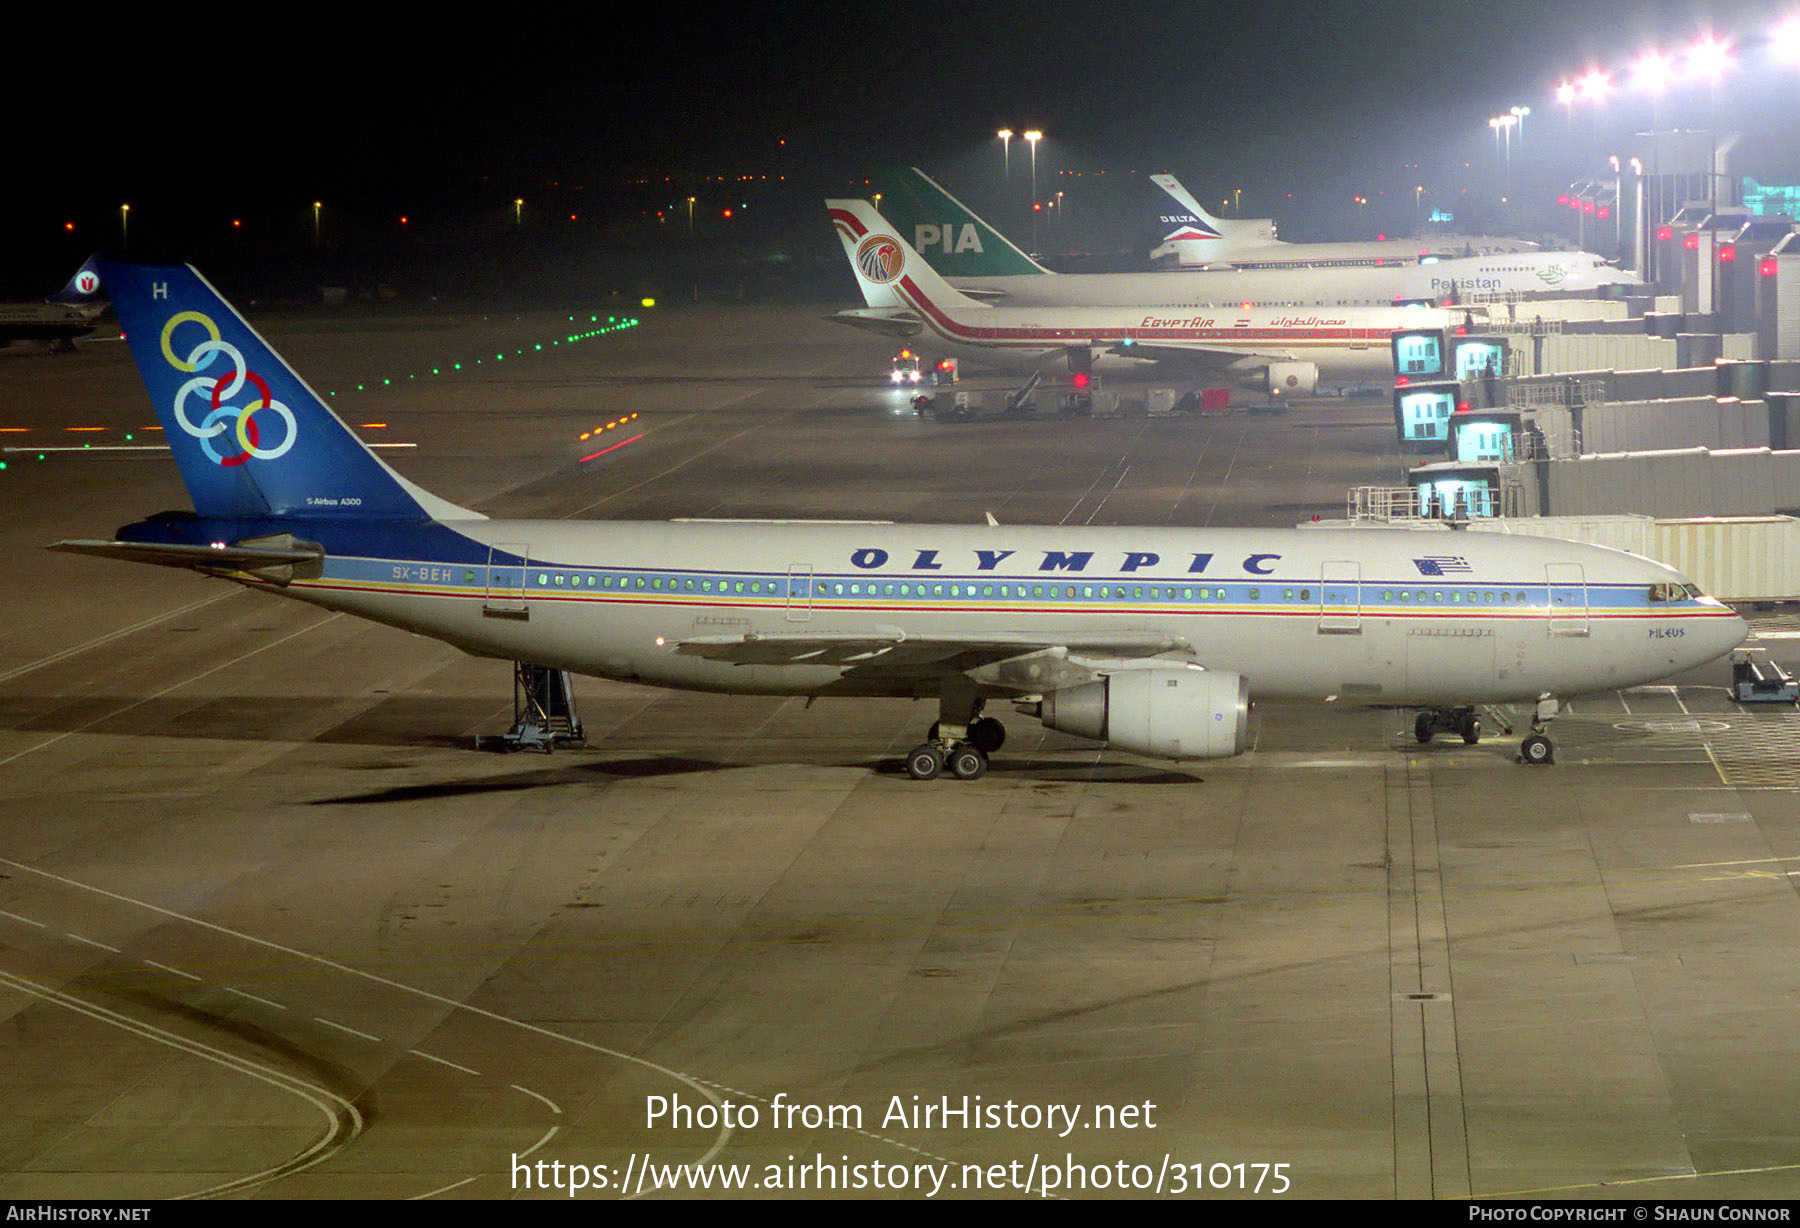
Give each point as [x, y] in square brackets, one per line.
[276, 563]
[888, 321]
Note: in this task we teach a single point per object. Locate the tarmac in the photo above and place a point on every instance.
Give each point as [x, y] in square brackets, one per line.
[271, 926]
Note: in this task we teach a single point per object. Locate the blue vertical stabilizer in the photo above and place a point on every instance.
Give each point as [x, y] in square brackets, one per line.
[251, 437]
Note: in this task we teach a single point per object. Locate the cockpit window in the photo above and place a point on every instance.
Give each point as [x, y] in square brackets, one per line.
[1673, 592]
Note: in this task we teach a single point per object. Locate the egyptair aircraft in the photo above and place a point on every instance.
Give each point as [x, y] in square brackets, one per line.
[979, 261]
[1155, 640]
[1288, 352]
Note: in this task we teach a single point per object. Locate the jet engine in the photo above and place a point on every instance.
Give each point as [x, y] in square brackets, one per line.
[1178, 713]
[1286, 379]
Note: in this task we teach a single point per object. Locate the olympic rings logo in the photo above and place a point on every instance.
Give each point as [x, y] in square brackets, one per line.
[216, 391]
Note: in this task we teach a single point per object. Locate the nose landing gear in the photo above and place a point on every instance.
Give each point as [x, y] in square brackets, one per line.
[1537, 748]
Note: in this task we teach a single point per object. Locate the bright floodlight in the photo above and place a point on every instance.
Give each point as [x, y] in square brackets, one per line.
[1653, 71]
[1594, 86]
[1709, 58]
[1565, 93]
[1785, 41]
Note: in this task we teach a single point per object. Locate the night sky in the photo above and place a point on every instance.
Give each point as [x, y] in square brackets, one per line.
[201, 121]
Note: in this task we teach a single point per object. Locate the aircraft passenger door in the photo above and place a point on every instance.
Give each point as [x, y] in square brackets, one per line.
[799, 593]
[1340, 597]
[507, 564]
[1568, 598]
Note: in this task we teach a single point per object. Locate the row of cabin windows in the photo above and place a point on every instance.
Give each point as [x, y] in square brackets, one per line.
[1102, 592]
[659, 584]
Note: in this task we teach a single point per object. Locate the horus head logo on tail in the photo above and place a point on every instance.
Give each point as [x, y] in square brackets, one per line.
[879, 259]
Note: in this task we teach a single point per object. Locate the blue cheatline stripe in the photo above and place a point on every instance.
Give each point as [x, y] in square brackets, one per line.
[469, 576]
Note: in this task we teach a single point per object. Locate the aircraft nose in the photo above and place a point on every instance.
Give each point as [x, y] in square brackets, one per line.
[1722, 635]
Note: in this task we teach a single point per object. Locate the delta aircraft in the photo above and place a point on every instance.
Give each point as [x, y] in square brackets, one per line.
[1155, 640]
[1201, 240]
[1286, 352]
[979, 261]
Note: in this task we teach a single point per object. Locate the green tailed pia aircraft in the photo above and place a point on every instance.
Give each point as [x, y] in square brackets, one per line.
[1251, 270]
[946, 232]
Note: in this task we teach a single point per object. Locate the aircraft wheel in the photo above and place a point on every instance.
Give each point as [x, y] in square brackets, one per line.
[1471, 729]
[988, 734]
[925, 762]
[1537, 749]
[966, 761]
[1424, 727]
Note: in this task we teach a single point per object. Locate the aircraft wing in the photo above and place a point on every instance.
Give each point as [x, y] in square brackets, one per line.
[1008, 657]
[888, 321]
[981, 294]
[1198, 353]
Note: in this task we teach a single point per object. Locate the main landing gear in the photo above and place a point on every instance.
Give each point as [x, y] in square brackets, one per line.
[1536, 749]
[961, 739]
[1433, 721]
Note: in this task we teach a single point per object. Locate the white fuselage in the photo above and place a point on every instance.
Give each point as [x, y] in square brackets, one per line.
[1390, 617]
[1346, 344]
[1510, 273]
[1230, 251]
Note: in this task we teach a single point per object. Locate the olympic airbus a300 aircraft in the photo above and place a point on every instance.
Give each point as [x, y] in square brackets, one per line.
[1155, 640]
